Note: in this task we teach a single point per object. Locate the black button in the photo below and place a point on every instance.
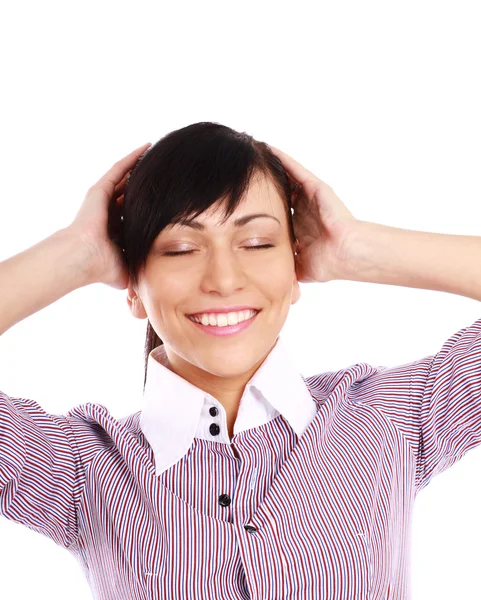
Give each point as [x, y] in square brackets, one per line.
[213, 411]
[224, 500]
[250, 528]
[214, 429]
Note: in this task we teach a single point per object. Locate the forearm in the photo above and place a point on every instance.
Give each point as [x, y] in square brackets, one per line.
[40, 275]
[434, 261]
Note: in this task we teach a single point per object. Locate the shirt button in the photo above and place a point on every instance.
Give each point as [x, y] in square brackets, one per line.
[214, 429]
[224, 500]
[213, 411]
[250, 528]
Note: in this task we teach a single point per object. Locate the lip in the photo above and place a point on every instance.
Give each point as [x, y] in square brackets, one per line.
[227, 330]
[223, 309]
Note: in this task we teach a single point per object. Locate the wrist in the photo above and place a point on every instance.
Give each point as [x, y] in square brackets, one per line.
[354, 261]
[82, 255]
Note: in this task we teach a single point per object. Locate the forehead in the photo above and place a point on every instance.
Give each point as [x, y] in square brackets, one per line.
[261, 196]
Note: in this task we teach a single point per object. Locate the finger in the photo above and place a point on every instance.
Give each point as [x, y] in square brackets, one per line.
[116, 173]
[120, 187]
[294, 168]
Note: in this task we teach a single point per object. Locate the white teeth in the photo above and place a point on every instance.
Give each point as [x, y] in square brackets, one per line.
[224, 319]
[231, 319]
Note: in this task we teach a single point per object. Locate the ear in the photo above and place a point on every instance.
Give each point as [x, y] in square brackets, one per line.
[296, 290]
[134, 302]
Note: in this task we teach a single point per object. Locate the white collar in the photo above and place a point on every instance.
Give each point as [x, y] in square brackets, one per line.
[175, 411]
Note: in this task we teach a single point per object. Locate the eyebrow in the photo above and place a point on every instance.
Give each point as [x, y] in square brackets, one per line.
[237, 223]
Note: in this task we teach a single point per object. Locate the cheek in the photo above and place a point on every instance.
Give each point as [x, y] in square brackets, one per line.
[276, 285]
[279, 264]
[164, 293]
[166, 281]
[279, 272]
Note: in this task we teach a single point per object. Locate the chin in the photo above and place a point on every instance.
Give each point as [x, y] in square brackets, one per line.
[235, 362]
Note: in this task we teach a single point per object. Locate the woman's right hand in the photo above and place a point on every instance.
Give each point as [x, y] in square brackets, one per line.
[99, 211]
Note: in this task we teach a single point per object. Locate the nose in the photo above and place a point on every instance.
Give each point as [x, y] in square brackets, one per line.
[223, 273]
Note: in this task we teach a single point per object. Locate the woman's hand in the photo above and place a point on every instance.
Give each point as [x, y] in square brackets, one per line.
[97, 223]
[322, 224]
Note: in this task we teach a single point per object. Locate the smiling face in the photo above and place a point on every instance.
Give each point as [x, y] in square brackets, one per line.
[222, 268]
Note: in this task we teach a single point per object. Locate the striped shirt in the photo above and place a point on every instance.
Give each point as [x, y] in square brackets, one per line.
[293, 506]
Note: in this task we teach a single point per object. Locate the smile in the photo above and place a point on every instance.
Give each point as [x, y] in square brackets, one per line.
[220, 330]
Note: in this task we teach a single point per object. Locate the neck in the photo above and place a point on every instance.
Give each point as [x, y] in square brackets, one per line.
[227, 390]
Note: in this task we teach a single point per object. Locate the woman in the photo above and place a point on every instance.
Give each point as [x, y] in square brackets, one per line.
[239, 478]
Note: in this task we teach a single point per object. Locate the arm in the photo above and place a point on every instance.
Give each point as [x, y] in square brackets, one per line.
[40, 275]
[436, 400]
[41, 474]
[42, 463]
[333, 244]
[434, 261]
[73, 257]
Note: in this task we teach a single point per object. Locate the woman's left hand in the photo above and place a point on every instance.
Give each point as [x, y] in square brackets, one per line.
[322, 223]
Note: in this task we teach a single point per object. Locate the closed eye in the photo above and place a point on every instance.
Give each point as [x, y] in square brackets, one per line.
[190, 251]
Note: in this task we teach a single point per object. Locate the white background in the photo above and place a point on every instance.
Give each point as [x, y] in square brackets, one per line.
[379, 99]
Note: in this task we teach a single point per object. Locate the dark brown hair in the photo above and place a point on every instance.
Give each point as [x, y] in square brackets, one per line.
[184, 174]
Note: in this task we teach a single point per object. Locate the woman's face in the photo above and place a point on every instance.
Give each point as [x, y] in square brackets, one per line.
[222, 269]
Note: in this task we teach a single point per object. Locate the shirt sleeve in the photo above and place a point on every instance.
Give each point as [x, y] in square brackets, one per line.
[435, 402]
[445, 394]
[41, 474]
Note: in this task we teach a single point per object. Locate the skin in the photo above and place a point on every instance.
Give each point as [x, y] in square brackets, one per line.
[220, 272]
[331, 245]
